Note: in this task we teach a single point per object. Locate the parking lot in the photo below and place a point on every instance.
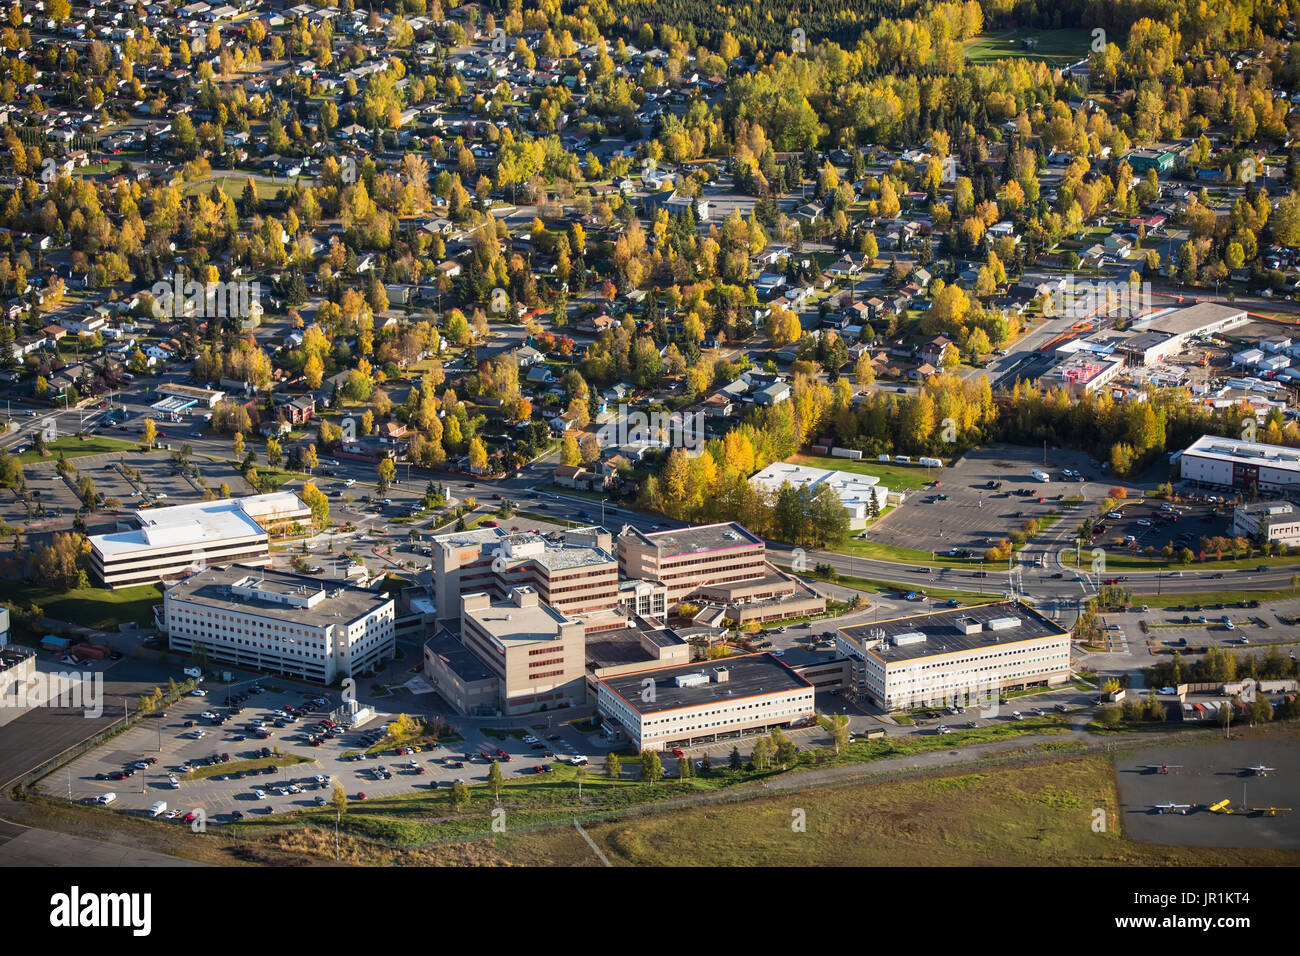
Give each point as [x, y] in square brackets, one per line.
[173, 745]
[1152, 523]
[985, 496]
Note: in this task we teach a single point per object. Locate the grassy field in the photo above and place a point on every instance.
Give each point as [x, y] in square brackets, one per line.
[891, 476]
[97, 607]
[1054, 46]
[1035, 815]
[233, 185]
[74, 447]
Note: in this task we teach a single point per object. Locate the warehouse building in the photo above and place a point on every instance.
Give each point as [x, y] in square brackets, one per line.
[689, 703]
[1247, 466]
[175, 541]
[963, 655]
[279, 622]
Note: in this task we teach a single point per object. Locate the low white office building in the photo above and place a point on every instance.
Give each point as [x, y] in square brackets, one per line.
[279, 622]
[171, 542]
[964, 655]
[854, 491]
[705, 701]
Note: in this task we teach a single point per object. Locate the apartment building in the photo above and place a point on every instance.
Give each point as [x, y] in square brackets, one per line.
[686, 703]
[963, 655]
[535, 653]
[573, 571]
[721, 562]
[178, 540]
[279, 622]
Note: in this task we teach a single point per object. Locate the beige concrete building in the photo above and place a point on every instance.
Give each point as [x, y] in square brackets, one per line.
[536, 654]
[574, 571]
[964, 655]
[708, 700]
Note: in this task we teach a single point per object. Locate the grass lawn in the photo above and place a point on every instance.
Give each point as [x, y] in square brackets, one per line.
[1203, 598]
[233, 186]
[276, 477]
[891, 476]
[221, 769]
[1116, 560]
[1056, 46]
[74, 447]
[946, 594]
[97, 607]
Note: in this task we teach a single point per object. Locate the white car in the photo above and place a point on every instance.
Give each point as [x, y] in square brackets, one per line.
[530, 739]
[260, 794]
[196, 692]
[1114, 515]
[1143, 523]
[198, 734]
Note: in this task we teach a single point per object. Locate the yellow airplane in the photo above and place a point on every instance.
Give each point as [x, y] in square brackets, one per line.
[1223, 806]
[1270, 811]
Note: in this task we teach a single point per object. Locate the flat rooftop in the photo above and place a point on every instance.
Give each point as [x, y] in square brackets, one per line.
[216, 587]
[1194, 318]
[511, 625]
[707, 537]
[457, 658]
[943, 634]
[751, 675]
[199, 523]
[1229, 449]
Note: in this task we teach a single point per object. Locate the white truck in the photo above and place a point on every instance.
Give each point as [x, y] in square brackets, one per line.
[104, 799]
[1039, 475]
[195, 672]
[158, 809]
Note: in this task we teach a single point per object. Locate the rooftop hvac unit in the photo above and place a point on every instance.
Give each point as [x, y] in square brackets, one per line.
[1003, 623]
[721, 675]
[911, 637]
[691, 680]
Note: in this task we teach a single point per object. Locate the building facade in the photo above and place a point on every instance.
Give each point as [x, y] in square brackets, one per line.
[677, 705]
[536, 654]
[279, 622]
[965, 655]
[172, 542]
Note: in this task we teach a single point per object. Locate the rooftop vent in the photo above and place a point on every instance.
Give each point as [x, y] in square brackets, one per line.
[911, 637]
[691, 680]
[1003, 623]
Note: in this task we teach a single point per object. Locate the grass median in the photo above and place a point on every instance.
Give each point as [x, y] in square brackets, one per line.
[245, 766]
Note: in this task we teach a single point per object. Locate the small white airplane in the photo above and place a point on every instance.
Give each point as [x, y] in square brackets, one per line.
[1260, 770]
[1172, 808]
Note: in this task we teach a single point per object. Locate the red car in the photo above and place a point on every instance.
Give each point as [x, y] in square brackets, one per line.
[500, 753]
[420, 770]
[678, 752]
[361, 795]
[189, 817]
[539, 769]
